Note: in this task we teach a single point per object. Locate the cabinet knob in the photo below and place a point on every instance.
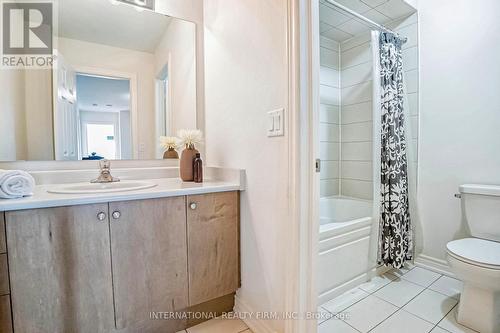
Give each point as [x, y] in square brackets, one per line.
[193, 205]
[116, 215]
[101, 216]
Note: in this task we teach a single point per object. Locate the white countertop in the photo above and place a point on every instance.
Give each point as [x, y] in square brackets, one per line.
[166, 187]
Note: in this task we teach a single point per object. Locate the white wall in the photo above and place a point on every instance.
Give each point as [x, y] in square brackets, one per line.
[179, 46]
[460, 111]
[247, 76]
[191, 10]
[39, 115]
[12, 116]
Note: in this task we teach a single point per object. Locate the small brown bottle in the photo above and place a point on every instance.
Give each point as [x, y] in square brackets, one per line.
[198, 169]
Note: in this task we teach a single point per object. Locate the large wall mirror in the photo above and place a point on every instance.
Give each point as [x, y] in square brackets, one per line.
[123, 77]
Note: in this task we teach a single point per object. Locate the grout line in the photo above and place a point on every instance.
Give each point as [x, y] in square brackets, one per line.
[440, 275]
[339, 188]
[329, 86]
[366, 141]
[357, 122]
[436, 325]
[383, 321]
[362, 102]
[358, 64]
[357, 84]
[323, 103]
[358, 180]
[358, 45]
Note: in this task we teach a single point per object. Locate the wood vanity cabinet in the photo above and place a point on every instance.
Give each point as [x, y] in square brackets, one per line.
[60, 269]
[213, 245]
[106, 267]
[149, 253]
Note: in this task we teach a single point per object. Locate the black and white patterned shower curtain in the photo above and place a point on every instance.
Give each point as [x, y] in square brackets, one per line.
[395, 234]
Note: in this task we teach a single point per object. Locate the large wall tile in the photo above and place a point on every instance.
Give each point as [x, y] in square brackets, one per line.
[329, 114]
[411, 81]
[329, 95]
[413, 103]
[329, 151]
[410, 58]
[357, 94]
[356, 113]
[329, 76]
[357, 132]
[329, 133]
[329, 58]
[329, 187]
[330, 170]
[356, 55]
[410, 32]
[357, 74]
[357, 170]
[329, 43]
[357, 189]
[357, 151]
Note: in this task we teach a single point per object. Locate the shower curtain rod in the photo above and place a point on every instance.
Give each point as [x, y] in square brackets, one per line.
[361, 17]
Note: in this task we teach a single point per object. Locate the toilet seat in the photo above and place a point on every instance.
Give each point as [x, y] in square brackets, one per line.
[475, 251]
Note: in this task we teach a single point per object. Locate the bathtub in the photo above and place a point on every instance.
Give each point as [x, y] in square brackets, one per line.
[347, 242]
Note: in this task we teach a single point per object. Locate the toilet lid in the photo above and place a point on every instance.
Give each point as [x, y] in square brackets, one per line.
[481, 252]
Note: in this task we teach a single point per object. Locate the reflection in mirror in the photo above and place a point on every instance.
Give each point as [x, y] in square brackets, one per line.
[122, 78]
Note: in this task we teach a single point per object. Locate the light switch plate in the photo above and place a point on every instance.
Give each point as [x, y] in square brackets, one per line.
[276, 123]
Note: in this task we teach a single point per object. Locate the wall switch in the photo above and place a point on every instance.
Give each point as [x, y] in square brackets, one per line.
[276, 118]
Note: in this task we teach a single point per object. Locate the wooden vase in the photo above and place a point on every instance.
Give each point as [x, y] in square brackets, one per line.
[186, 163]
[170, 154]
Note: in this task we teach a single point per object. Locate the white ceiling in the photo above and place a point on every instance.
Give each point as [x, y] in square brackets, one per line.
[338, 25]
[114, 24]
[102, 94]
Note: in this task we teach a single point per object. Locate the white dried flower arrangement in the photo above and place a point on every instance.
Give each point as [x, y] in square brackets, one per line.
[190, 138]
[169, 142]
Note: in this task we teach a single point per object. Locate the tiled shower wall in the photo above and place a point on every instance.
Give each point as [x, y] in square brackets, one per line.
[353, 175]
[329, 117]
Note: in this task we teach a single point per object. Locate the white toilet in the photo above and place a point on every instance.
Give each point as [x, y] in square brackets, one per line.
[476, 260]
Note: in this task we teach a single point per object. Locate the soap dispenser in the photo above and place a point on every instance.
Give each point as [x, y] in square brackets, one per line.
[198, 169]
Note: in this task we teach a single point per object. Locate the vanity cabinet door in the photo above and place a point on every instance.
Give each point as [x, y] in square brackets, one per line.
[60, 269]
[213, 245]
[149, 252]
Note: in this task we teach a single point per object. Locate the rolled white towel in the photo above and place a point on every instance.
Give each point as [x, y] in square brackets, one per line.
[15, 184]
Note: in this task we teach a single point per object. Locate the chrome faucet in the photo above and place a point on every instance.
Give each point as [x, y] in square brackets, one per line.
[105, 175]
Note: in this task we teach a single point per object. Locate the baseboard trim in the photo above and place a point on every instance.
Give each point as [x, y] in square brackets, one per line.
[245, 311]
[434, 264]
[354, 282]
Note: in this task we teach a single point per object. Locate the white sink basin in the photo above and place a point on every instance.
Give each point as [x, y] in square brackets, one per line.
[89, 188]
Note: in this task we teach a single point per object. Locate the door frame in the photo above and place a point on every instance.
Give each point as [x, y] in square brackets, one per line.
[304, 189]
[132, 78]
[116, 133]
[161, 107]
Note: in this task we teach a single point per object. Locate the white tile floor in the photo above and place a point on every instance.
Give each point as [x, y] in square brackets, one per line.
[219, 325]
[411, 300]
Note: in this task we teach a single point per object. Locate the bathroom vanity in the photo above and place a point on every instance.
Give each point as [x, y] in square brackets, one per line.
[119, 262]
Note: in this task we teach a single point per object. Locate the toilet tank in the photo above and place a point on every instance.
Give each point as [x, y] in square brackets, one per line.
[482, 210]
